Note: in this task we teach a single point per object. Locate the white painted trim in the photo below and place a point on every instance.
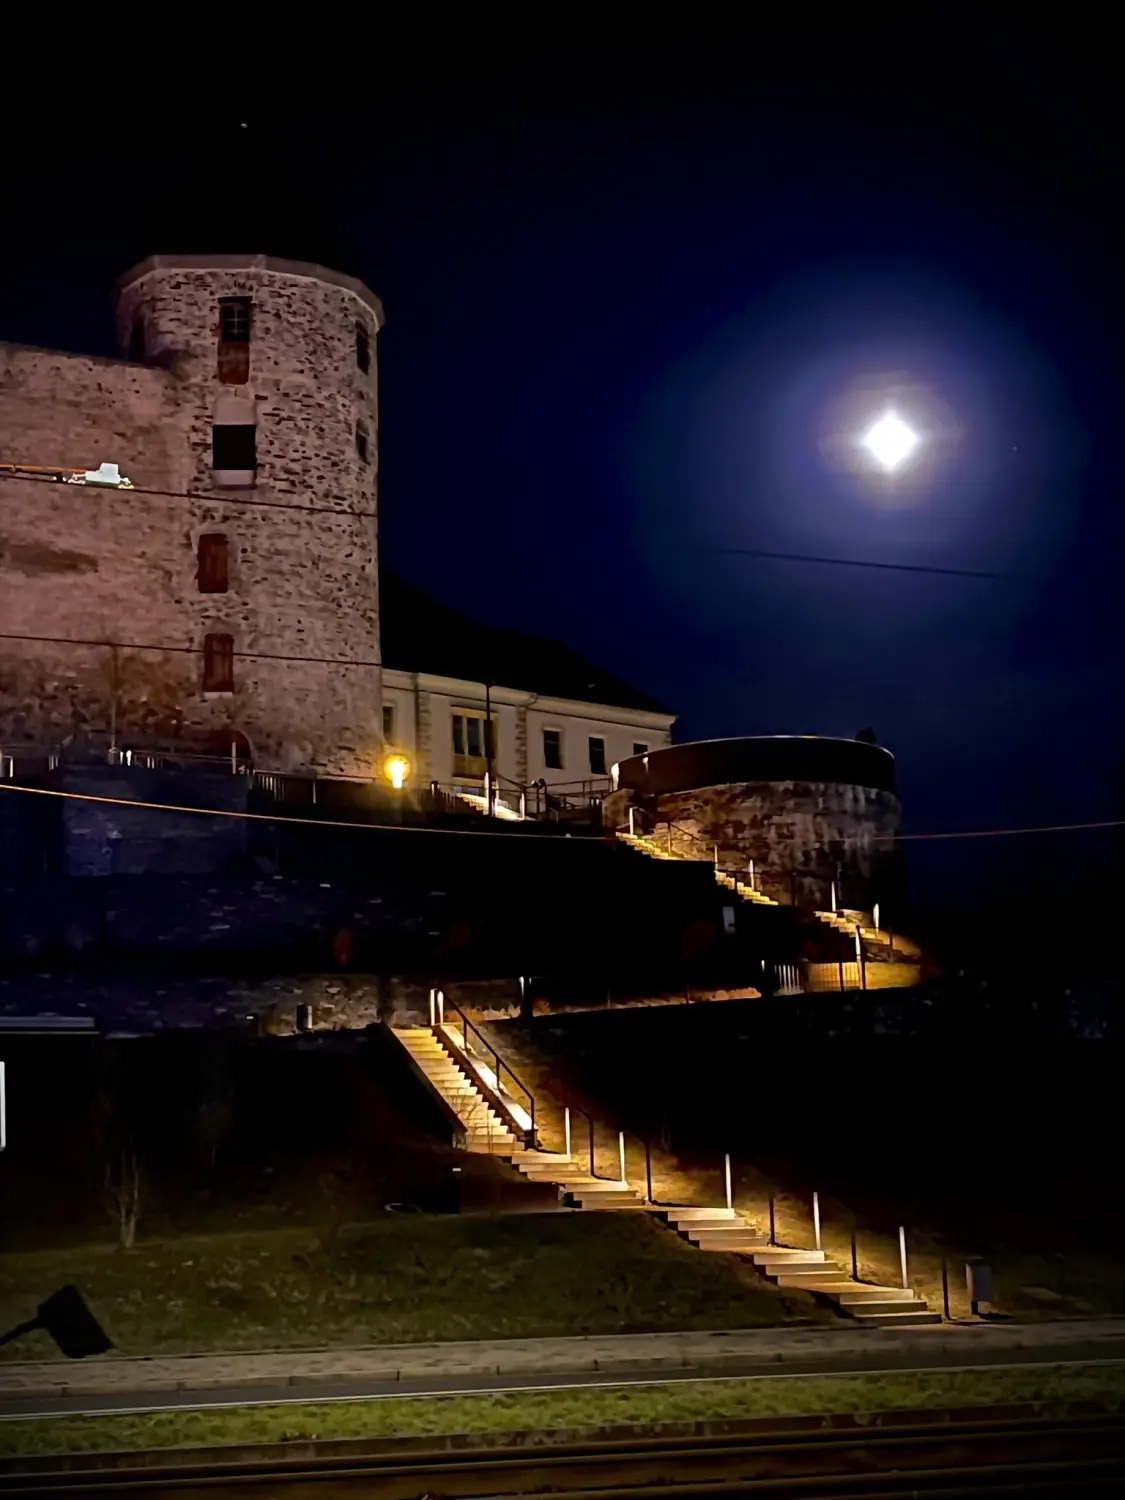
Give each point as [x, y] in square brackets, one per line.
[458, 688]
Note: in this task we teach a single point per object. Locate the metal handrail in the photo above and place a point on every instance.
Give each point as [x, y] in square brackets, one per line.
[500, 1067]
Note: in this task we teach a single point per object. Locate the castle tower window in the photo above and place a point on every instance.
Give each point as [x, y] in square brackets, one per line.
[213, 573]
[362, 348]
[235, 319]
[234, 453]
[362, 447]
[388, 721]
[137, 341]
[218, 663]
[597, 755]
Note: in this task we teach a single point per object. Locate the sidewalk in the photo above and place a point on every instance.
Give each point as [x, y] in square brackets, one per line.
[627, 1353]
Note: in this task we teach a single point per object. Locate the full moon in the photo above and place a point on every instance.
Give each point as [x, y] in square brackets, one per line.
[889, 441]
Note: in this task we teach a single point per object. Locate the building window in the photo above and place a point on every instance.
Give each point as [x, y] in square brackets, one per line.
[552, 749]
[473, 736]
[361, 445]
[234, 340]
[639, 749]
[234, 452]
[213, 571]
[362, 348]
[388, 721]
[218, 663]
[597, 755]
[234, 320]
[137, 340]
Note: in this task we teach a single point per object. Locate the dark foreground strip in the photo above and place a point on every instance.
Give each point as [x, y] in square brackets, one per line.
[1017, 1456]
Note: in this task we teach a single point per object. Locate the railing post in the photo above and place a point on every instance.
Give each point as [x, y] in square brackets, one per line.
[441, 1007]
[753, 887]
[648, 1173]
[632, 822]
[855, 1251]
[902, 1254]
[593, 1168]
[816, 1220]
[621, 1154]
[566, 1129]
[715, 854]
[726, 1173]
[669, 838]
[875, 916]
[773, 1220]
[433, 1007]
[945, 1287]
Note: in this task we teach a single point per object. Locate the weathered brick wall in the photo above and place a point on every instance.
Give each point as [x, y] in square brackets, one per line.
[795, 832]
[96, 565]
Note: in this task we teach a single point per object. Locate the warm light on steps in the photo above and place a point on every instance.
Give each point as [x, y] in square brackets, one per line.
[711, 1230]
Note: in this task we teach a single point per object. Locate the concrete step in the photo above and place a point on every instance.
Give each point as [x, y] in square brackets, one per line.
[680, 1216]
[604, 1202]
[543, 1158]
[896, 1319]
[783, 1257]
[861, 1292]
[733, 1243]
[878, 1309]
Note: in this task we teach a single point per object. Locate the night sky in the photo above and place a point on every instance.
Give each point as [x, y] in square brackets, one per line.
[630, 291]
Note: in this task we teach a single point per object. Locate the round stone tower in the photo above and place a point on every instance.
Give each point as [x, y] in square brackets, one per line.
[271, 391]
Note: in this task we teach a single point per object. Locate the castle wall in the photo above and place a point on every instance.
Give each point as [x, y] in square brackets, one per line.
[106, 581]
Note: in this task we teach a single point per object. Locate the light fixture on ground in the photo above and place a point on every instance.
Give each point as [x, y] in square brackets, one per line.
[397, 768]
[890, 441]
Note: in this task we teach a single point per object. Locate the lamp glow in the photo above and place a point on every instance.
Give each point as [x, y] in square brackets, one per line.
[396, 768]
[889, 441]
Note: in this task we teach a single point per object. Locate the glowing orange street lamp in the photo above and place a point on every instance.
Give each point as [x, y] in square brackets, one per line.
[397, 768]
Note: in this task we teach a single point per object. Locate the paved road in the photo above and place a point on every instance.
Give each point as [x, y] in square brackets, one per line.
[290, 1378]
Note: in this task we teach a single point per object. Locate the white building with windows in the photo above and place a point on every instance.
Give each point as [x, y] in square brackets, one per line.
[460, 699]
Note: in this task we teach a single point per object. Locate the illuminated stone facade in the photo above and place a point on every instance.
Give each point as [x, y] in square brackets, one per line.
[107, 583]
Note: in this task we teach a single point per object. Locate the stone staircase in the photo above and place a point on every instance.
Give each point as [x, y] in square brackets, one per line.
[438, 1057]
[486, 1130]
[725, 1229]
[892, 961]
[655, 850]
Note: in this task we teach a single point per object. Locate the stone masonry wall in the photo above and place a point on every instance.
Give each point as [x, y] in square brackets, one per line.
[797, 833]
[92, 566]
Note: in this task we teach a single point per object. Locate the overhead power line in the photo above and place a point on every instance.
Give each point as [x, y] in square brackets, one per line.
[205, 498]
[225, 812]
[859, 562]
[62, 640]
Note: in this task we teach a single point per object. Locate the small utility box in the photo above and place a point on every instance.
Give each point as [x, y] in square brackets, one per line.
[978, 1284]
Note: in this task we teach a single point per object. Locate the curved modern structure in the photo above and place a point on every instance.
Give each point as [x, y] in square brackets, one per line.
[808, 813]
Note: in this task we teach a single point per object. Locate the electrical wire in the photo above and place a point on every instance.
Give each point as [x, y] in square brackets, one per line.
[62, 640]
[225, 812]
[857, 562]
[208, 499]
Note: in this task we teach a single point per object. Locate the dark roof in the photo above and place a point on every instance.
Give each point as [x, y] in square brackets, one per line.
[419, 634]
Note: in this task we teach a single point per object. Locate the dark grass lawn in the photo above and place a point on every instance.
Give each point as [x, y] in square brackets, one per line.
[400, 1279]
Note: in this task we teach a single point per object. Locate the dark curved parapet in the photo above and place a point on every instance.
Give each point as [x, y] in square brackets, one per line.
[781, 757]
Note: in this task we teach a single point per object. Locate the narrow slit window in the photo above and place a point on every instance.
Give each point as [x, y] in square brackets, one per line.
[235, 317]
[362, 447]
[218, 663]
[362, 348]
[214, 563]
